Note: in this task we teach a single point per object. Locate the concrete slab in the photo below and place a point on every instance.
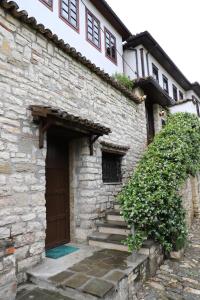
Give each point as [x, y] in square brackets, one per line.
[50, 267]
[76, 281]
[115, 276]
[60, 278]
[35, 293]
[98, 287]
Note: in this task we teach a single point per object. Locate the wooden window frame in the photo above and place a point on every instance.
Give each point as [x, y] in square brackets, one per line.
[173, 89]
[154, 67]
[111, 35]
[181, 95]
[88, 12]
[67, 21]
[167, 83]
[47, 5]
[118, 157]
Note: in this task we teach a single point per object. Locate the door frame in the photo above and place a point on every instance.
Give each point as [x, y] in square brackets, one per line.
[68, 208]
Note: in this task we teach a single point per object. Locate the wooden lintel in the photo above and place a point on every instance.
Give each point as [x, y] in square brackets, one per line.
[43, 127]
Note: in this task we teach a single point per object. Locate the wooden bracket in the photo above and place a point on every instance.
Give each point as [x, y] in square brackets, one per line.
[43, 127]
[92, 140]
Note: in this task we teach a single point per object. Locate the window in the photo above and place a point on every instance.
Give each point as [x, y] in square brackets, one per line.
[180, 95]
[110, 44]
[48, 3]
[175, 94]
[93, 30]
[165, 84]
[155, 72]
[69, 12]
[111, 167]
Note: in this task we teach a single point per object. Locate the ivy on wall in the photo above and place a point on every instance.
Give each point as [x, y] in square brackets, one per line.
[151, 201]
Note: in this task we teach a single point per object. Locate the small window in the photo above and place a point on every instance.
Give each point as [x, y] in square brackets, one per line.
[165, 84]
[93, 30]
[48, 3]
[180, 95]
[111, 167]
[175, 93]
[69, 12]
[155, 72]
[110, 44]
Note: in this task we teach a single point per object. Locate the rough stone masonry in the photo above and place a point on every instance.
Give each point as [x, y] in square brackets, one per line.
[34, 71]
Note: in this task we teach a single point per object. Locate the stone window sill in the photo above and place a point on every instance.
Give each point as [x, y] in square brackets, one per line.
[112, 183]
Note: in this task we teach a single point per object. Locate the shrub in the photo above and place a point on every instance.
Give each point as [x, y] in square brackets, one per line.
[151, 199]
[124, 80]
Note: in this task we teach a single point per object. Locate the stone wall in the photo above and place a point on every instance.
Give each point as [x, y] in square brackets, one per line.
[160, 115]
[34, 71]
[8, 280]
[190, 193]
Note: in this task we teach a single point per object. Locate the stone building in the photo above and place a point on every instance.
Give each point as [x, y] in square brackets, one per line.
[61, 119]
[70, 136]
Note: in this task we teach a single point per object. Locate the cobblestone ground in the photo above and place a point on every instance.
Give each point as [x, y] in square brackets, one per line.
[177, 280]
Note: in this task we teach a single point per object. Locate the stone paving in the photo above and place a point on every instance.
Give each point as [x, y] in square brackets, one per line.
[177, 280]
[95, 275]
[35, 293]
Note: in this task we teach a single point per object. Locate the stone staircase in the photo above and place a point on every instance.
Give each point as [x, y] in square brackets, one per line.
[92, 273]
[111, 233]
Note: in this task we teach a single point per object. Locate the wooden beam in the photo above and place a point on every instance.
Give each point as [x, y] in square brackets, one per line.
[92, 140]
[43, 127]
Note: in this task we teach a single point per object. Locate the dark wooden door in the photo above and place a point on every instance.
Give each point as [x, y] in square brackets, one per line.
[150, 122]
[57, 193]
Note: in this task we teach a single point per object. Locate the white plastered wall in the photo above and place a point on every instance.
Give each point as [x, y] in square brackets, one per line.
[50, 19]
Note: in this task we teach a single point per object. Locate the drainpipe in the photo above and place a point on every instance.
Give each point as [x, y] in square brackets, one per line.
[123, 60]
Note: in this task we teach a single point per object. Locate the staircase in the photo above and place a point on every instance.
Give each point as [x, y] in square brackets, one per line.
[112, 232]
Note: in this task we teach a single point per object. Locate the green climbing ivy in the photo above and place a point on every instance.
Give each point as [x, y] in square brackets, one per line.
[151, 199]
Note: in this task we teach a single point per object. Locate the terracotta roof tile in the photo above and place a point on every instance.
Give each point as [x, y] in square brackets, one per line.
[45, 111]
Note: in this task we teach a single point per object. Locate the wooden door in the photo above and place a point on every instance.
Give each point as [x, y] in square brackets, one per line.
[150, 122]
[57, 193]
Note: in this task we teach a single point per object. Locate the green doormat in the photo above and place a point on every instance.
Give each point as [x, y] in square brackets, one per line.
[60, 251]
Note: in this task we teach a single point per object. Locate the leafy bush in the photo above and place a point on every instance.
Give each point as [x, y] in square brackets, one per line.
[124, 80]
[151, 199]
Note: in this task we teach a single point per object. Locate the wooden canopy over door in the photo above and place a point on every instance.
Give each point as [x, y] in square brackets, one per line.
[57, 193]
[61, 127]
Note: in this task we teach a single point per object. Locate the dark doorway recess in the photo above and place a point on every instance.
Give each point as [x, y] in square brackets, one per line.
[57, 191]
[150, 121]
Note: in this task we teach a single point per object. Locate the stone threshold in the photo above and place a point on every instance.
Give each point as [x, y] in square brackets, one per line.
[94, 273]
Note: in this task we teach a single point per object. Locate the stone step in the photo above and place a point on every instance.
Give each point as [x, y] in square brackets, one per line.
[116, 206]
[107, 241]
[114, 228]
[114, 216]
[106, 274]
